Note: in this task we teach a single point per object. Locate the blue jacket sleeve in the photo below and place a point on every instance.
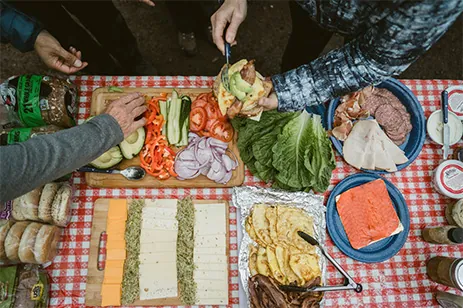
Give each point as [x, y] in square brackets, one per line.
[17, 28]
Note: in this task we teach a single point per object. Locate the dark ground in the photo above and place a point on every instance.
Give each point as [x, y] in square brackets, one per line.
[263, 37]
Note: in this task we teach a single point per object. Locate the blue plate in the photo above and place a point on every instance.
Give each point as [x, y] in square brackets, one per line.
[379, 251]
[415, 140]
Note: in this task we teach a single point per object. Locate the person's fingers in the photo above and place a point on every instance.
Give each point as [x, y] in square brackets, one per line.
[138, 111]
[232, 30]
[69, 59]
[269, 103]
[127, 98]
[219, 22]
[135, 103]
[76, 69]
[139, 123]
[150, 3]
[79, 55]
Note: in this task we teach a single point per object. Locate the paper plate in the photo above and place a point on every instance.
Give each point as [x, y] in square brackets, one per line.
[415, 140]
[379, 251]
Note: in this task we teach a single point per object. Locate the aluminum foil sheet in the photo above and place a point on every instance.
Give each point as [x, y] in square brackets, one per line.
[244, 198]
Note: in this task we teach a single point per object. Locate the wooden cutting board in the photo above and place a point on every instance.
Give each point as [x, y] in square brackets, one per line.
[95, 276]
[101, 98]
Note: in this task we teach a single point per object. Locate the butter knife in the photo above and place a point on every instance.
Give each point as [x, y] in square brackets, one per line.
[445, 120]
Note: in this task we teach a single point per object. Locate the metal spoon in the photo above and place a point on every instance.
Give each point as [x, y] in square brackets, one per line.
[134, 173]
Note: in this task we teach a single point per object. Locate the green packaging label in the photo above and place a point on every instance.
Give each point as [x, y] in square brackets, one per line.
[19, 135]
[29, 110]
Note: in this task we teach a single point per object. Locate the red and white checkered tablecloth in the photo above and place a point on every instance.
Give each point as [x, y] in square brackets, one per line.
[398, 282]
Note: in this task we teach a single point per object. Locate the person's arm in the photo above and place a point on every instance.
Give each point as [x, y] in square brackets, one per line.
[42, 159]
[17, 28]
[385, 50]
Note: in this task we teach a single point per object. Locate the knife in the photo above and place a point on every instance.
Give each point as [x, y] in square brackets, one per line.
[445, 120]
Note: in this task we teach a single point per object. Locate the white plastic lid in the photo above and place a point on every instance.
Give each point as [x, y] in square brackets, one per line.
[449, 178]
[456, 100]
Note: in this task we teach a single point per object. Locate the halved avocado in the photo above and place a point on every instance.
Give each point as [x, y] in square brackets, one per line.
[241, 84]
[108, 159]
[133, 144]
[240, 95]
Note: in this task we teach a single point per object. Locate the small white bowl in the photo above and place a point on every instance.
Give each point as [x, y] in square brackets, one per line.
[435, 126]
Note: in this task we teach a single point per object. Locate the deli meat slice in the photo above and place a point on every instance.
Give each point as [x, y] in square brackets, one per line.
[367, 214]
[368, 147]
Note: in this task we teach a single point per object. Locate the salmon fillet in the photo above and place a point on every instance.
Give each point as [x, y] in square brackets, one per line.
[367, 214]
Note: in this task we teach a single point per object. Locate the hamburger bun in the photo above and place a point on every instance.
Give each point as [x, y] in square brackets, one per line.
[26, 251]
[16, 210]
[46, 245]
[30, 204]
[46, 201]
[13, 238]
[5, 226]
[61, 207]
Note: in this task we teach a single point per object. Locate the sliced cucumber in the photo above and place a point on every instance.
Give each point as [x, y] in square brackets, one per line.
[133, 144]
[163, 107]
[108, 159]
[185, 120]
[173, 119]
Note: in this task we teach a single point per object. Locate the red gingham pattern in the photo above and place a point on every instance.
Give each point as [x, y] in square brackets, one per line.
[398, 282]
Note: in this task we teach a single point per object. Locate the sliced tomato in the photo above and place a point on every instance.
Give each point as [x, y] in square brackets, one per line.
[198, 103]
[209, 124]
[202, 96]
[198, 119]
[222, 131]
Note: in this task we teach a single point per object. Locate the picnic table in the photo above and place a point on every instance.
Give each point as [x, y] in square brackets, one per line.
[398, 282]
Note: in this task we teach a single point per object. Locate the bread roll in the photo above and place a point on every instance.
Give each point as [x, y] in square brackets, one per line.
[5, 226]
[30, 204]
[46, 201]
[61, 208]
[27, 244]
[13, 238]
[46, 245]
[16, 210]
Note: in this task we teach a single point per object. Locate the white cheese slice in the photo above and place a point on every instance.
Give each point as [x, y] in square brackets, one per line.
[160, 212]
[212, 266]
[210, 241]
[165, 282]
[220, 250]
[211, 301]
[158, 247]
[158, 257]
[209, 274]
[209, 259]
[161, 203]
[158, 236]
[212, 294]
[209, 229]
[159, 224]
[206, 284]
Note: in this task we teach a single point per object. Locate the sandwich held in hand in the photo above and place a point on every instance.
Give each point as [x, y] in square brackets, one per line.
[367, 214]
[247, 86]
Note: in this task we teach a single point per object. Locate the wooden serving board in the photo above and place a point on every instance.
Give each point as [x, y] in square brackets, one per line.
[101, 98]
[95, 276]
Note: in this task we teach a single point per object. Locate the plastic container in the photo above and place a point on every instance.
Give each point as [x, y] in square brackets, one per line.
[448, 179]
[435, 127]
[454, 213]
[456, 100]
[446, 271]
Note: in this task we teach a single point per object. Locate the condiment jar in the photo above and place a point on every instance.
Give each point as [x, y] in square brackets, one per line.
[443, 235]
[449, 300]
[448, 179]
[447, 271]
[454, 213]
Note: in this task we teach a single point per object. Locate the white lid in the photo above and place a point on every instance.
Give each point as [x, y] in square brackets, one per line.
[435, 127]
[456, 100]
[449, 178]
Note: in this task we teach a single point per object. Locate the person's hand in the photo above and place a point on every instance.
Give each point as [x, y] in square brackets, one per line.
[126, 109]
[55, 56]
[232, 12]
[269, 103]
[148, 2]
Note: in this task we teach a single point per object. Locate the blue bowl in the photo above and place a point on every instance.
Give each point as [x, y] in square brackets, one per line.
[379, 251]
[415, 139]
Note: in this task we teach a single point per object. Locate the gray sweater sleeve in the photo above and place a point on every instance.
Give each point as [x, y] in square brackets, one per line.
[42, 159]
[384, 50]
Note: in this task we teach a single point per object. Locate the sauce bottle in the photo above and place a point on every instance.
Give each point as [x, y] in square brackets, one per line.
[443, 235]
[449, 300]
[446, 271]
